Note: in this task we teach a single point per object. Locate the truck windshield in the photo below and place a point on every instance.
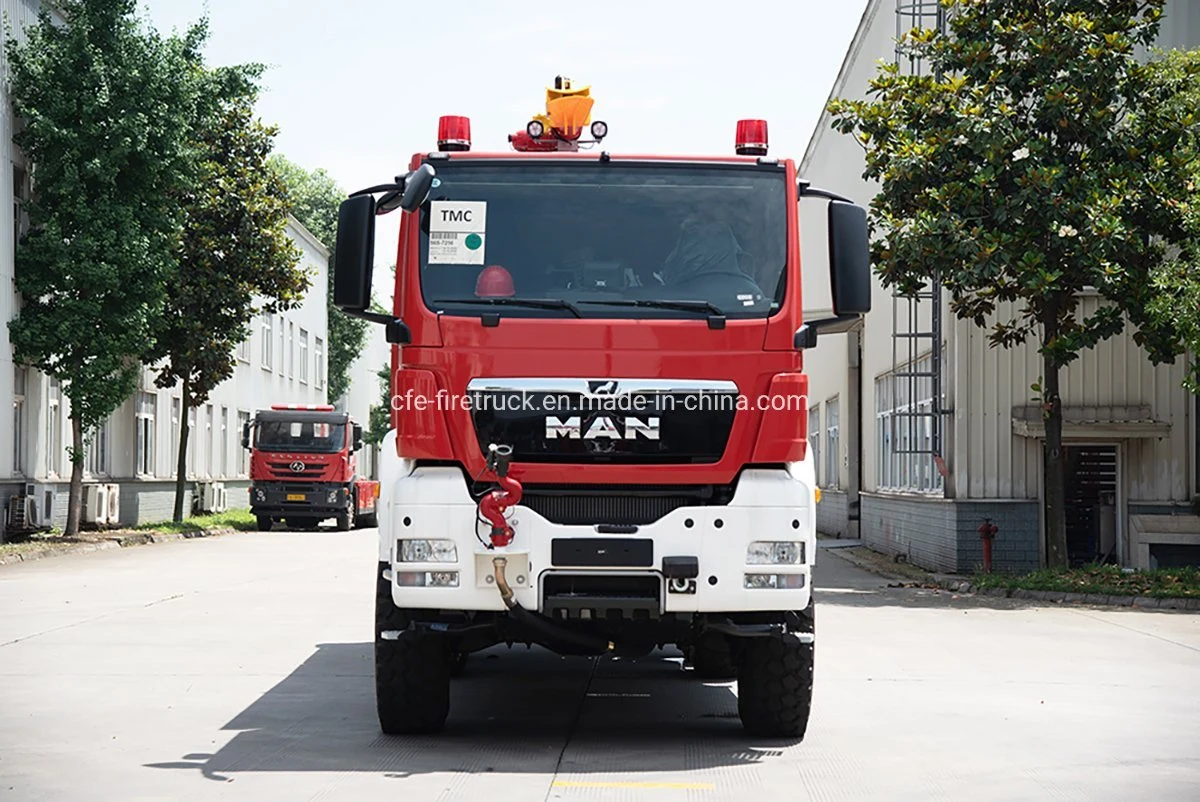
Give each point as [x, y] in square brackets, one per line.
[300, 436]
[608, 239]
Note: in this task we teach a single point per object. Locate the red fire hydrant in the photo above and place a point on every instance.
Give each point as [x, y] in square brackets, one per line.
[987, 531]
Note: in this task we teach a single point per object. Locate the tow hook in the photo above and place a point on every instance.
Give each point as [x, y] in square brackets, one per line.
[493, 505]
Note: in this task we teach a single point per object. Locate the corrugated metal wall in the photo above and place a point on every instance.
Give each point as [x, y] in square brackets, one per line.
[997, 464]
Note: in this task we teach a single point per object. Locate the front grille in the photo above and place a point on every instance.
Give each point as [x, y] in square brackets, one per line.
[635, 505]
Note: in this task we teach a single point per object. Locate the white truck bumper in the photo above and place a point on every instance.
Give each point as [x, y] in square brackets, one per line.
[769, 505]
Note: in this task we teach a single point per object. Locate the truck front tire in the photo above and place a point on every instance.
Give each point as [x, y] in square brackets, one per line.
[264, 523]
[775, 680]
[712, 658]
[412, 673]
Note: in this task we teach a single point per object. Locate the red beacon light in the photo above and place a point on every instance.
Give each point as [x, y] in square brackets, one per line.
[751, 138]
[454, 133]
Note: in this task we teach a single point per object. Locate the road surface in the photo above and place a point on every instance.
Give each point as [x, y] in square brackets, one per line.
[240, 668]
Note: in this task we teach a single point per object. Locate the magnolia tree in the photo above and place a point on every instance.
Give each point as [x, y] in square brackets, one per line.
[1020, 171]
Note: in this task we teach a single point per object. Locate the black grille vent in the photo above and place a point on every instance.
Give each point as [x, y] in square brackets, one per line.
[638, 505]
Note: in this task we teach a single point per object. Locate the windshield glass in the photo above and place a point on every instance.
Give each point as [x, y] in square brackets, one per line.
[300, 436]
[590, 233]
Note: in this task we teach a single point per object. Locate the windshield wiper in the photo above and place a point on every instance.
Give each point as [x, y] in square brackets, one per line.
[536, 303]
[716, 315]
[686, 306]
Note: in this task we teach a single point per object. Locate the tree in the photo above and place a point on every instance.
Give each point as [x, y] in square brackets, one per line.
[380, 417]
[1175, 80]
[315, 198]
[1016, 175]
[106, 107]
[235, 259]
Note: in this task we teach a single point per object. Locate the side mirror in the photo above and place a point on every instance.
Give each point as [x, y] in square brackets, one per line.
[849, 259]
[416, 188]
[246, 435]
[358, 435]
[354, 259]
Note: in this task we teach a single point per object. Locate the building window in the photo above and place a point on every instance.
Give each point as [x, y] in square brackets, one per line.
[20, 179]
[18, 419]
[224, 469]
[904, 430]
[319, 362]
[96, 462]
[54, 429]
[191, 447]
[833, 451]
[267, 342]
[243, 351]
[176, 417]
[303, 356]
[210, 453]
[814, 439]
[282, 343]
[291, 349]
[144, 419]
[243, 454]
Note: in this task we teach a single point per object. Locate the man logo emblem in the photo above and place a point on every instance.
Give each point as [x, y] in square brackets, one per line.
[297, 467]
[602, 387]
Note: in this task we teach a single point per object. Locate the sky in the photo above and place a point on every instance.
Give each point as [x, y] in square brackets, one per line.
[357, 87]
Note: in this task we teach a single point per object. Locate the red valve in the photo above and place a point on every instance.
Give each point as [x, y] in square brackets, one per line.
[987, 531]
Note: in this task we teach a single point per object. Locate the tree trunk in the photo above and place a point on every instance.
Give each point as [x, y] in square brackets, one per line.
[1053, 459]
[181, 463]
[75, 496]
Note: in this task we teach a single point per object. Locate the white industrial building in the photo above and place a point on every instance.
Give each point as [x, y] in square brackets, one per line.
[922, 432]
[133, 455]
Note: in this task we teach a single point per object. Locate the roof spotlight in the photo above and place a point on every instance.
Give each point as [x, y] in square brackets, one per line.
[535, 128]
[599, 129]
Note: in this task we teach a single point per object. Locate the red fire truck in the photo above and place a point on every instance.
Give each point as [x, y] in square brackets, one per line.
[600, 414]
[304, 468]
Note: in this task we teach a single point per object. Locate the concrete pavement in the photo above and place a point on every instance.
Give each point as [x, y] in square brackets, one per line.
[240, 668]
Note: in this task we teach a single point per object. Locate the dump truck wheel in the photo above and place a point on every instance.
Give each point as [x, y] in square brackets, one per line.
[264, 523]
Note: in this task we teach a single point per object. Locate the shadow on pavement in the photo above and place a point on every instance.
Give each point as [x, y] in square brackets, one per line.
[513, 711]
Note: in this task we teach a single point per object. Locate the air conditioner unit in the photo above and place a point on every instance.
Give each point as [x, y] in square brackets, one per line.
[20, 513]
[114, 504]
[204, 497]
[95, 504]
[44, 498]
[220, 497]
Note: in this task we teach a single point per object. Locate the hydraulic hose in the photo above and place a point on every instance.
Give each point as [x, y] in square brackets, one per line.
[552, 632]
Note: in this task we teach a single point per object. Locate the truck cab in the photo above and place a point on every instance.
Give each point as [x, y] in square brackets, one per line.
[599, 437]
[304, 468]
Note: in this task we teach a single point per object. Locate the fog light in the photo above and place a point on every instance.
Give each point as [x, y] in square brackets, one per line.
[599, 129]
[427, 579]
[332, 497]
[427, 551]
[768, 552]
[774, 581]
[535, 128]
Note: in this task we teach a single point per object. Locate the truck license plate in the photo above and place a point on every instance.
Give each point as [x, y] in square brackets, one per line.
[295, 497]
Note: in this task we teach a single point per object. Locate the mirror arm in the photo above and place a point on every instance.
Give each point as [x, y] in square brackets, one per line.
[396, 330]
[806, 335]
[806, 189]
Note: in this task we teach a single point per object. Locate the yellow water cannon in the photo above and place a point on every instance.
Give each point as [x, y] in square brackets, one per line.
[568, 113]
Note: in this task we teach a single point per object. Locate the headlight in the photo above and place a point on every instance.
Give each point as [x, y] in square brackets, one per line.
[333, 496]
[774, 581]
[428, 551]
[767, 552]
